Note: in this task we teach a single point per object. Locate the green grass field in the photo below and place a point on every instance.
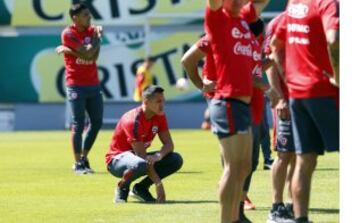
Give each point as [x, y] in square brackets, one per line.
[38, 185]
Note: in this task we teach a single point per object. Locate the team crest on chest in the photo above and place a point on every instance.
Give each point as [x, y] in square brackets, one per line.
[73, 95]
[154, 129]
[87, 40]
[298, 11]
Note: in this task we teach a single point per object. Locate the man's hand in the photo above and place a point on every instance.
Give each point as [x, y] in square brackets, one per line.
[160, 192]
[152, 159]
[332, 79]
[208, 86]
[282, 110]
[62, 49]
[273, 95]
[98, 31]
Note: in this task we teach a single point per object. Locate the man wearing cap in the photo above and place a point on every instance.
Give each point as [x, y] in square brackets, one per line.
[127, 157]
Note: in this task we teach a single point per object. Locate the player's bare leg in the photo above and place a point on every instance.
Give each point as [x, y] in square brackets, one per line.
[301, 183]
[279, 174]
[236, 151]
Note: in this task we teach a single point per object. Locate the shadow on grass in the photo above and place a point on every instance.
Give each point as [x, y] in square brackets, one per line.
[189, 172]
[314, 210]
[325, 210]
[169, 202]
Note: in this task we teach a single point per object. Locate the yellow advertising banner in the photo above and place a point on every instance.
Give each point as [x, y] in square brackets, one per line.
[104, 12]
[117, 67]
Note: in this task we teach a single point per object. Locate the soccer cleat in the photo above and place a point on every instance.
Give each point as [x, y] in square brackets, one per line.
[86, 163]
[121, 195]
[248, 205]
[79, 168]
[280, 215]
[142, 194]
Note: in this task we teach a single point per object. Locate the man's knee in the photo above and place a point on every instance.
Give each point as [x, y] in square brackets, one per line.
[284, 158]
[307, 162]
[77, 126]
[96, 124]
[141, 167]
[177, 161]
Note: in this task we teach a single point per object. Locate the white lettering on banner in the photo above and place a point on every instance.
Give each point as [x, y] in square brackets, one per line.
[237, 34]
[245, 50]
[105, 12]
[298, 11]
[298, 28]
[298, 40]
[84, 62]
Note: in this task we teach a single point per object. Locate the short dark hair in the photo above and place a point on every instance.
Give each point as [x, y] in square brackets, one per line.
[150, 91]
[75, 9]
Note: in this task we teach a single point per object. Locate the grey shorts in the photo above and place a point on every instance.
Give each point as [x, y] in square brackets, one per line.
[229, 117]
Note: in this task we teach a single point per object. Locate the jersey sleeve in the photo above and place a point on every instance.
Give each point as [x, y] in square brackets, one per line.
[270, 29]
[268, 34]
[214, 23]
[203, 44]
[69, 39]
[329, 13]
[163, 125]
[248, 12]
[280, 30]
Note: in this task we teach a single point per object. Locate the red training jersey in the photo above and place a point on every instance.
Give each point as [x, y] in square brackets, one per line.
[270, 29]
[303, 29]
[79, 72]
[257, 100]
[134, 127]
[232, 52]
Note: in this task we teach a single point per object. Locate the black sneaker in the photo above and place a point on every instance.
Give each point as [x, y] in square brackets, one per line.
[79, 168]
[280, 215]
[290, 209]
[268, 164]
[142, 194]
[121, 194]
[86, 164]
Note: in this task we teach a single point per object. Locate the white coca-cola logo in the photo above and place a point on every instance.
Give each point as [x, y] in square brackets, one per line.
[245, 50]
[237, 34]
[83, 62]
[298, 11]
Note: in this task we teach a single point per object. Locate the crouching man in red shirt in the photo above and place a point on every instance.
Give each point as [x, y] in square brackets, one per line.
[127, 157]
